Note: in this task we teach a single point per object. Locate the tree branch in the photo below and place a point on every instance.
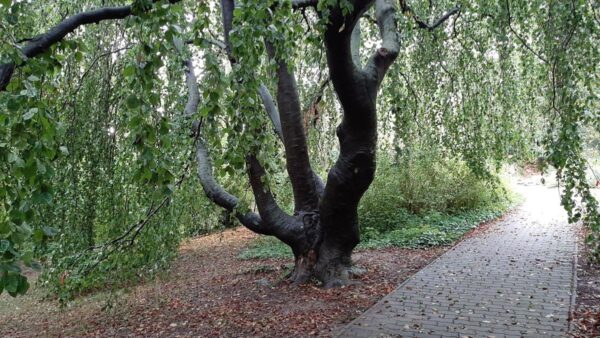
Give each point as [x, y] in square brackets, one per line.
[41, 43]
[355, 41]
[519, 37]
[294, 137]
[382, 59]
[271, 109]
[289, 123]
[212, 189]
[407, 10]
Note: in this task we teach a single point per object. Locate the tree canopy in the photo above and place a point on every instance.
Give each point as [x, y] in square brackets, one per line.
[98, 100]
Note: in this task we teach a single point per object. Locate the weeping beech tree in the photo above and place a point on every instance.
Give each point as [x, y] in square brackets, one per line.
[484, 81]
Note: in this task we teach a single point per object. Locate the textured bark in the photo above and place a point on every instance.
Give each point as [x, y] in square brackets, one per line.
[294, 138]
[324, 228]
[354, 170]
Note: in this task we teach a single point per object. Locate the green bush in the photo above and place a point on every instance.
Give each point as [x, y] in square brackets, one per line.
[68, 275]
[426, 199]
[423, 200]
[424, 183]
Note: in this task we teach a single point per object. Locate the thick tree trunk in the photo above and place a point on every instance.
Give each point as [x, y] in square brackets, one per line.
[323, 231]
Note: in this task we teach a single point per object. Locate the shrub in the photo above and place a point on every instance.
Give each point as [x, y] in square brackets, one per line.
[424, 183]
[422, 200]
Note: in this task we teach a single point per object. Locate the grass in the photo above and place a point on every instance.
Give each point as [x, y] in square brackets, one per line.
[265, 247]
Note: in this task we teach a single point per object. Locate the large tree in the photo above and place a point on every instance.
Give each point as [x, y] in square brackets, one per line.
[444, 95]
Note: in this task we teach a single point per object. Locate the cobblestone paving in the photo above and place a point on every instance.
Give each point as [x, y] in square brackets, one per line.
[515, 280]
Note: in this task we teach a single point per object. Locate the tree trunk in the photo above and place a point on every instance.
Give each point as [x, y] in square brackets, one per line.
[323, 231]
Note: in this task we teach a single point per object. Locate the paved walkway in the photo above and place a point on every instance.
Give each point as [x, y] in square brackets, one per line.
[516, 280]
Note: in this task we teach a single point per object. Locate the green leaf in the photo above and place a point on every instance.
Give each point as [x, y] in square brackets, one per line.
[23, 285]
[5, 228]
[38, 236]
[178, 44]
[42, 197]
[4, 245]
[129, 71]
[49, 231]
[132, 102]
[12, 105]
[30, 114]
[11, 283]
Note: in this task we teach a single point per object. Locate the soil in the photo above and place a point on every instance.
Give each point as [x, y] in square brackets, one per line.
[586, 314]
[211, 292]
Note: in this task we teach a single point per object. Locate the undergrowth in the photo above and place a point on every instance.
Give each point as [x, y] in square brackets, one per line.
[427, 201]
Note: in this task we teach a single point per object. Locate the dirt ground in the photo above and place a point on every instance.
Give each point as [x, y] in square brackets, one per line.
[211, 292]
[586, 317]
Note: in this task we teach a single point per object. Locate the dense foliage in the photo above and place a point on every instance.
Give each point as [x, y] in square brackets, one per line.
[429, 201]
[97, 155]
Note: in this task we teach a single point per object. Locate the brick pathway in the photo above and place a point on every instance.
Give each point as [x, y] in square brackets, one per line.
[515, 280]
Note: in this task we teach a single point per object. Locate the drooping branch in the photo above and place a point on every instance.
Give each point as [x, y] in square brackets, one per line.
[212, 189]
[192, 87]
[519, 37]
[41, 43]
[407, 10]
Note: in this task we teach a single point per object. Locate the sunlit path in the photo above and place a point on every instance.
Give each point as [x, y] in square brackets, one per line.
[514, 280]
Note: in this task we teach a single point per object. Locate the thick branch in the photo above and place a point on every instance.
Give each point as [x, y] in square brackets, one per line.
[294, 138]
[41, 43]
[406, 9]
[212, 189]
[338, 40]
[219, 196]
[271, 109]
[290, 119]
[382, 59]
[356, 88]
[273, 113]
[282, 225]
[227, 7]
[349, 80]
[355, 41]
